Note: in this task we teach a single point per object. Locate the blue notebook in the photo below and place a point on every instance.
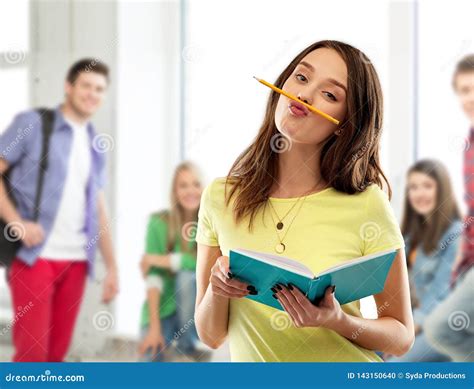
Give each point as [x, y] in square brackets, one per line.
[354, 279]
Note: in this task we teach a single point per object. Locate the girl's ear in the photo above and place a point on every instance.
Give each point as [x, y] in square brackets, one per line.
[338, 131]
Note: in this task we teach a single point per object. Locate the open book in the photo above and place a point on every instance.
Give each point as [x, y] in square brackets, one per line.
[354, 279]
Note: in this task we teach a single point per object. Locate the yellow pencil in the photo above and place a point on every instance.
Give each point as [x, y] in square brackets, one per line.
[290, 96]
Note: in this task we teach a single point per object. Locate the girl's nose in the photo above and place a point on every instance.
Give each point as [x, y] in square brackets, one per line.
[304, 98]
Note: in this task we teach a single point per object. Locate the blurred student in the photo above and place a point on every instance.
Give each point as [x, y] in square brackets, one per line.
[58, 250]
[431, 226]
[169, 267]
[450, 327]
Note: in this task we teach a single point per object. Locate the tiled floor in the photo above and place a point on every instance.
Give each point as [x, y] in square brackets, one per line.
[220, 355]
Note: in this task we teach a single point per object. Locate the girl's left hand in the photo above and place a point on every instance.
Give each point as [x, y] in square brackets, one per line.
[303, 312]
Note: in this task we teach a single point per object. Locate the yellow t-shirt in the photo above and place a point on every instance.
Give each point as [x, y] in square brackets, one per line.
[331, 228]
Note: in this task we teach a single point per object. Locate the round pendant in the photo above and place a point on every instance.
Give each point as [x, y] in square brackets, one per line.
[280, 248]
[279, 225]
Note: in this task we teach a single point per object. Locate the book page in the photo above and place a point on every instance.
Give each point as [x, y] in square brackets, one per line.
[281, 262]
[354, 261]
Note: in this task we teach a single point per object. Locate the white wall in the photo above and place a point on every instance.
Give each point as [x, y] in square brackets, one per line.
[147, 142]
[248, 38]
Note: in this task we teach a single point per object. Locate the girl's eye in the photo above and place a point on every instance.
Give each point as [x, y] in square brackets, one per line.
[300, 77]
[330, 95]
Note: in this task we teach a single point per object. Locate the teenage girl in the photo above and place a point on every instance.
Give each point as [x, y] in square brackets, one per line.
[312, 191]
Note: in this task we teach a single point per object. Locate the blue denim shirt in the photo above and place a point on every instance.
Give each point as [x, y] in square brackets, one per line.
[431, 273]
[20, 146]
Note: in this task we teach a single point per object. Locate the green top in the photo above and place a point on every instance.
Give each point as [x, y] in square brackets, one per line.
[156, 243]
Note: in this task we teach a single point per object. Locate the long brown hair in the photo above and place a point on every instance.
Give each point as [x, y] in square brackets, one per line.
[174, 217]
[349, 162]
[414, 225]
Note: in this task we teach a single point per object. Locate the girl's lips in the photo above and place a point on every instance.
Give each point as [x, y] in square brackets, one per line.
[297, 109]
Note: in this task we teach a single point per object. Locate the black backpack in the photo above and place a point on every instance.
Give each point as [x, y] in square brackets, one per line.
[10, 241]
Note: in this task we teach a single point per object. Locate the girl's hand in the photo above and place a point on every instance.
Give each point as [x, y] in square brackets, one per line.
[304, 313]
[153, 341]
[222, 282]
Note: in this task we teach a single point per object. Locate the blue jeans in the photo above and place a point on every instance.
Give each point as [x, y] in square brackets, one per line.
[179, 328]
[186, 335]
[169, 326]
[450, 327]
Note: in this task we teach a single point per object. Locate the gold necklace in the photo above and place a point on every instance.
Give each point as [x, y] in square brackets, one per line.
[280, 247]
[280, 224]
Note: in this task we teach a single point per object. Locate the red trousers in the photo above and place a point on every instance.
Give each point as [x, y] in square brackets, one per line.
[46, 298]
